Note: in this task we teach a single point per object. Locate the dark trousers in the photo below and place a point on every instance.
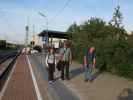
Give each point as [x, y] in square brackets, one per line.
[51, 71]
[65, 67]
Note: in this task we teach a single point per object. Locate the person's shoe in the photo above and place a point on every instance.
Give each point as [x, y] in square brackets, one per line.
[50, 82]
[86, 80]
[53, 81]
[68, 78]
[91, 80]
[62, 79]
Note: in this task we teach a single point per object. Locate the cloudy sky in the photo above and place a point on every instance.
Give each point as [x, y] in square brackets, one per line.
[15, 13]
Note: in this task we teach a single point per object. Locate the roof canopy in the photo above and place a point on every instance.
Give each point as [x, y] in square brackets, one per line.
[54, 34]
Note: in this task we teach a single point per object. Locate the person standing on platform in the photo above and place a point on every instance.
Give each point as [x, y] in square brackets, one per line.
[66, 60]
[89, 63]
[50, 58]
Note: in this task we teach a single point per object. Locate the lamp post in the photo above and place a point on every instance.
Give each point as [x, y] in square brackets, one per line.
[46, 37]
[43, 15]
[118, 3]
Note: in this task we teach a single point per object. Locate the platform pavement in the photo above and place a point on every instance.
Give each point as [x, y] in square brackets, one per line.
[105, 86]
[19, 85]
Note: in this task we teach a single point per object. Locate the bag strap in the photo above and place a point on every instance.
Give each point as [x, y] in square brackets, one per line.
[48, 55]
[87, 56]
[65, 49]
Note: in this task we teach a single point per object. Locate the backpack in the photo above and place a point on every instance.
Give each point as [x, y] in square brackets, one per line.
[47, 57]
[90, 57]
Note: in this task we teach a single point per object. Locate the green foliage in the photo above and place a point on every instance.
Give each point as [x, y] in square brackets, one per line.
[126, 71]
[114, 48]
[117, 18]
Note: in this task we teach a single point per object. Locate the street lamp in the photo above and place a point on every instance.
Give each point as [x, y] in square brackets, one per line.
[43, 15]
[118, 2]
[47, 38]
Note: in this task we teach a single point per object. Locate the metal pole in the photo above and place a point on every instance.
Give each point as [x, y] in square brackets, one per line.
[118, 3]
[47, 29]
[27, 34]
[46, 24]
[46, 34]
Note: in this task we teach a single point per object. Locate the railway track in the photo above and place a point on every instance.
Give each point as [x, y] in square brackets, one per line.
[7, 61]
[5, 56]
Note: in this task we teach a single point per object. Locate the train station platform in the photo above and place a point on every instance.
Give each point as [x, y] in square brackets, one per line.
[28, 80]
[19, 85]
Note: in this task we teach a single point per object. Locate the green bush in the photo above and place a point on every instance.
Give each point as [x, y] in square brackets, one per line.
[126, 70]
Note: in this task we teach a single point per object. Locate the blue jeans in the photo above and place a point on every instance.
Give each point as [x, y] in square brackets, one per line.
[88, 72]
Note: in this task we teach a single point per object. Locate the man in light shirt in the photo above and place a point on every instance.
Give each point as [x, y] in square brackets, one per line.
[66, 59]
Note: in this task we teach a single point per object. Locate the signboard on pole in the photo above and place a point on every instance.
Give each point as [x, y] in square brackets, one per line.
[45, 39]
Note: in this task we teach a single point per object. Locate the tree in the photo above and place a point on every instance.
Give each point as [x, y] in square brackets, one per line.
[117, 18]
[116, 22]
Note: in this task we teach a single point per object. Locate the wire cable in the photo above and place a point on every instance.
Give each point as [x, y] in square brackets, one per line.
[61, 10]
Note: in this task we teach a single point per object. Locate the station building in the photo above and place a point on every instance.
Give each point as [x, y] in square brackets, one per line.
[51, 37]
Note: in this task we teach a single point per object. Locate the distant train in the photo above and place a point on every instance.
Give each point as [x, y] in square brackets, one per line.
[6, 45]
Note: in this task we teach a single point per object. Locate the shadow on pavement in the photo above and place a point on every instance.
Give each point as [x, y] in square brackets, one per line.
[95, 75]
[126, 94]
[76, 72]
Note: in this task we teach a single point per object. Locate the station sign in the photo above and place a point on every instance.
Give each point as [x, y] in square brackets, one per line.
[45, 39]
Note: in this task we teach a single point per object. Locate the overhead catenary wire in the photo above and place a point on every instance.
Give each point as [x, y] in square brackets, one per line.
[52, 19]
[61, 10]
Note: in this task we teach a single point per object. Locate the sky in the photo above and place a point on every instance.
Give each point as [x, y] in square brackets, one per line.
[16, 14]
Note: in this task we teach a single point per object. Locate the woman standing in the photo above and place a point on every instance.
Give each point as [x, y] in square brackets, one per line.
[50, 58]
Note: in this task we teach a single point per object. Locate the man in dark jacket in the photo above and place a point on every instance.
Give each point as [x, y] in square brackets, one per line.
[89, 62]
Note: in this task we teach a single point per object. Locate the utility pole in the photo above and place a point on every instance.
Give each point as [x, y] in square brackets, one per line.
[27, 35]
[27, 32]
[33, 32]
[33, 37]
